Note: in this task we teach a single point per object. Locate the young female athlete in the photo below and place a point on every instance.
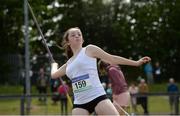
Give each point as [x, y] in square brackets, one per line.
[81, 68]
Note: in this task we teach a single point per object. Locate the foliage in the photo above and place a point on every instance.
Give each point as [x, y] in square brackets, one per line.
[130, 29]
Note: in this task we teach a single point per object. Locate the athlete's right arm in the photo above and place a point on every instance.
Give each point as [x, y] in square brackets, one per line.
[55, 72]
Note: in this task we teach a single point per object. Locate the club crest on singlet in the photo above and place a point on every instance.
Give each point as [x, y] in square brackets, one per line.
[81, 83]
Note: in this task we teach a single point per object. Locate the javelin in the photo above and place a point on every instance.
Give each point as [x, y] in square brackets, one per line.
[47, 48]
[127, 114]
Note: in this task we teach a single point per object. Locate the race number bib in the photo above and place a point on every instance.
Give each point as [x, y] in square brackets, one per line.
[81, 83]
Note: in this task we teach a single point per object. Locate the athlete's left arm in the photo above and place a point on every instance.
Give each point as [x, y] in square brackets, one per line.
[96, 52]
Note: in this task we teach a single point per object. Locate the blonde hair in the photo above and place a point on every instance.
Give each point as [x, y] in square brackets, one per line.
[68, 50]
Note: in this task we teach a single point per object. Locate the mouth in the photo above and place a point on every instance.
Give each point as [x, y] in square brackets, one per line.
[78, 39]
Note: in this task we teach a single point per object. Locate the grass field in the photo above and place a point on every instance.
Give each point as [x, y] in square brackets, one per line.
[12, 107]
[156, 104]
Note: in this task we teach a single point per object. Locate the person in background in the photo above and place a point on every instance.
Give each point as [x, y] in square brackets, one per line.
[63, 89]
[81, 69]
[157, 73]
[139, 79]
[133, 89]
[143, 100]
[109, 91]
[103, 76]
[172, 88]
[120, 93]
[42, 84]
[54, 89]
[148, 70]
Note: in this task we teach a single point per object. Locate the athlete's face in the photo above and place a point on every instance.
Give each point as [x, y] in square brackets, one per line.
[75, 37]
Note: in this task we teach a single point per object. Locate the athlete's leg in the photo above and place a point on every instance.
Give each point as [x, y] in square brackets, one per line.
[79, 111]
[105, 107]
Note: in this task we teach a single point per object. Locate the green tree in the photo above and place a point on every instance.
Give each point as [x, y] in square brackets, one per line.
[130, 29]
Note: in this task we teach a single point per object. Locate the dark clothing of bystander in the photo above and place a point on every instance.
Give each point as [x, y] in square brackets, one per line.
[143, 100]
[63, 90]
[172, 89]
[42, 84]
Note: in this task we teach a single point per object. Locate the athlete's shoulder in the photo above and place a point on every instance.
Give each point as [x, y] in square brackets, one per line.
[92, 47]
[91, 50]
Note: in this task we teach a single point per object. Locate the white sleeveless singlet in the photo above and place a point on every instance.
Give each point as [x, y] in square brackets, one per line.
[83, 73]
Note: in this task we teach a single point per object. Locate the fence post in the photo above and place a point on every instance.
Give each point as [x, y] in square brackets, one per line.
[22, 105]
[176, 104]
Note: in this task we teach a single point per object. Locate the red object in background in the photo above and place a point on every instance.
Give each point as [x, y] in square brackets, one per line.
[63, 89]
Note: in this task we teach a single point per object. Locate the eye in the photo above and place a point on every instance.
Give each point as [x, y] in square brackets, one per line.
[79, 34]
[72, 35]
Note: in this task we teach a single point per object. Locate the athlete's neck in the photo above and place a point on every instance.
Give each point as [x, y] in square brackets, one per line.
[76, 51]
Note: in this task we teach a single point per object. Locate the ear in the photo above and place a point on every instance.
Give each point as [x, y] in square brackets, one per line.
[68, 43]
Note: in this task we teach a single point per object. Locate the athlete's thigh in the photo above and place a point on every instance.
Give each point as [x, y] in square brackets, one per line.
[79, 111]
[105, 107]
